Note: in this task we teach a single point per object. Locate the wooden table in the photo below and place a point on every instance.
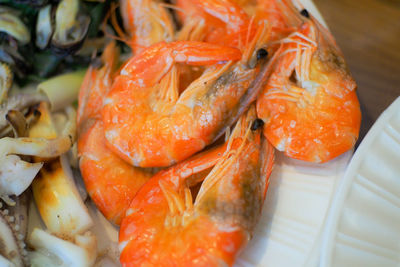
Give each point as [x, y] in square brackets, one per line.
[368, 32]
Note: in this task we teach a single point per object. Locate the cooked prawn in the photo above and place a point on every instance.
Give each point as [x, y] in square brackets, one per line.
[147, 122]
[163, 227]
[110, 181]
[147, 22]
[309, 106]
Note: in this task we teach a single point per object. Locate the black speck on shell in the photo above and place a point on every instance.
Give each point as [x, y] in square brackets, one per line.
[257, 124]
[305, 13]
[262, 53]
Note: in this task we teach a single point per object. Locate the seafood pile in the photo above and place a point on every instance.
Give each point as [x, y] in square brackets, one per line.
[173, 143]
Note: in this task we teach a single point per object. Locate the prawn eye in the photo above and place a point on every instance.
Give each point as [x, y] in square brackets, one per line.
[261, 53]
[257, 124]
[305, 13]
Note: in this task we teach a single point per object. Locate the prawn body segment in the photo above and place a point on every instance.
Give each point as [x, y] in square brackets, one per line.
[110, 181]
[164, 227]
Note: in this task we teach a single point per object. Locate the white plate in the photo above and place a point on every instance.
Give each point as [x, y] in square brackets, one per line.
[290, 230]
[363, 226]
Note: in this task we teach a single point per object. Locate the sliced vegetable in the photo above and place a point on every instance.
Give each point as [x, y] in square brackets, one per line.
[62, 90]
[54, 251]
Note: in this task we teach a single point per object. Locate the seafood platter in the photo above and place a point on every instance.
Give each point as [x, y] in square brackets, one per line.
[179, 133]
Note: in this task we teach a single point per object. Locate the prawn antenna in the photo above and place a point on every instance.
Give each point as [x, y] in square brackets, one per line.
[230, 156]
[121, 35]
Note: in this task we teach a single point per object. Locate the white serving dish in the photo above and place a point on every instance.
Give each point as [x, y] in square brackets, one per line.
[290, 230]
[363, 227]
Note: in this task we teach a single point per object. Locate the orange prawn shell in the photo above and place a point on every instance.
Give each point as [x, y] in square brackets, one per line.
[225, 247]
[318, 134]
[110, 181]
[142, 220]
[172, 250]
[211, 231]
[323, 121]
[141, 130]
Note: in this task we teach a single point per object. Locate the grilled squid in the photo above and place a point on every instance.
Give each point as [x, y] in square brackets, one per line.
[16, 174]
